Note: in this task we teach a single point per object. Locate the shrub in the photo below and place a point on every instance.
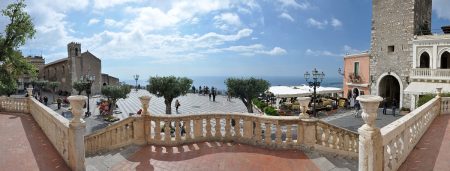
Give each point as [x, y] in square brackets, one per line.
[270, 111]
[258, 103]
[427, 97]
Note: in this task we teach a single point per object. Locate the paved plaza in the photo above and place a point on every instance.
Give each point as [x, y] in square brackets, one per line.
[349, 121]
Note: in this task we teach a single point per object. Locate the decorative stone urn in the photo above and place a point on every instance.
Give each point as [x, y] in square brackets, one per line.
[369, 105]
[30, 92]
[304, 101]
[77, 103]
[439, 91]
[145, 101]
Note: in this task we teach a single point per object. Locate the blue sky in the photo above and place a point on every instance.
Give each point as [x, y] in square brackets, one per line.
[208, 37]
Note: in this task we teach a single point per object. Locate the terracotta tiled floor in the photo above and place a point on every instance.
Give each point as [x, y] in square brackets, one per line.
[23, 146]
[433, 150]
[216, 156]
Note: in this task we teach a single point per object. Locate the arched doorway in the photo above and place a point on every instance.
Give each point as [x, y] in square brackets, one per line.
[389, 88]
[445, 60]
[424, 60]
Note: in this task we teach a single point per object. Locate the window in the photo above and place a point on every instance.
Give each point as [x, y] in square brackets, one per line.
[356, 69]
[391, 49]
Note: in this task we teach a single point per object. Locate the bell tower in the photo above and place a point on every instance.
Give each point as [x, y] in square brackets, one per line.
[73, 49]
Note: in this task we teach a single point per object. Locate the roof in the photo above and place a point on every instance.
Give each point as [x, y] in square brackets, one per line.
[358, 55]
[300, 91]
[57, 61]
[420, 88]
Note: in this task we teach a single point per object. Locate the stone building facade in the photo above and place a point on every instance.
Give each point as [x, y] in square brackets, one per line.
[73, 68]
[109, 80]
[356, 75]
[394, 25]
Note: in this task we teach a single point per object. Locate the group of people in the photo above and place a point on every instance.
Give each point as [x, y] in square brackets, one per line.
[44, 100]
[205, 90]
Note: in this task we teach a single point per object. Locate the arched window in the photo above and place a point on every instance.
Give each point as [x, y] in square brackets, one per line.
[445, 60]
[76, 51]
[424, 60]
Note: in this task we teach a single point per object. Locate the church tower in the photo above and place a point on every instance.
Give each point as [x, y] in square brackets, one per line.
[73, 49]
[74, 55]
[394, 25]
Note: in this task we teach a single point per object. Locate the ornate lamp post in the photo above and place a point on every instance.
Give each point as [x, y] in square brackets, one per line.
[136, 77]
[88, 79]
[317, 78]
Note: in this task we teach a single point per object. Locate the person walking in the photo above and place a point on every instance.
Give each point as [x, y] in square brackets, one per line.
[45, 100]
[384, 106]
[199, 90]
[214, 95]
[177, 105]
[394, 106]
[209, 96]
[59, 101]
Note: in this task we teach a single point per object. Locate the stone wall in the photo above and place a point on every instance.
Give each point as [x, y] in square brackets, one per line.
[394, 23]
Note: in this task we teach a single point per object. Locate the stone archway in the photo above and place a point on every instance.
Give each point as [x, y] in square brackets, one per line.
[445, 60]
[389, 87]
[424, 60]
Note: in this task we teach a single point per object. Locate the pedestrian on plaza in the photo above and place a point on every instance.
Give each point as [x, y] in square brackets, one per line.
[214, 95]
[384, 106]
[209, 96]
[45, 100]
[59, 101]
[40, 99]
[193, 89]
[229, 96]
[177, 104]
[199, 90]
[394, 106]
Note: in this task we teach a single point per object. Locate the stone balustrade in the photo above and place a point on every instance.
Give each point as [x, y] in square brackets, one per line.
[400, 137]
[427, 73]
[336, 140]
[16, 105]
[445, 108]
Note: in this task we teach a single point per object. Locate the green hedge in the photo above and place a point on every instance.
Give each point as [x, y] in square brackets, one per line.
[427, 97]
[269, 110]
[261, 105]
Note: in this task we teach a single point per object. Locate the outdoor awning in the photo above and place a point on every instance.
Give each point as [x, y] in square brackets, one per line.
[301, 91]
[419, 88]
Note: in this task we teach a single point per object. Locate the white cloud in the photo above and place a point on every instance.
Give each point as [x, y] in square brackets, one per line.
[316, 23]
[93, 21]
[113, 23]
[336, 23]
[310, 52]
[102, 4]
[441, 8]
[227, 21]
[294, 4]
[286, 16]
[349, 50]
[250, 50]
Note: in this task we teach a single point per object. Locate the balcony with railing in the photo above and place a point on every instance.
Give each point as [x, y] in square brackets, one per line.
[430, 74]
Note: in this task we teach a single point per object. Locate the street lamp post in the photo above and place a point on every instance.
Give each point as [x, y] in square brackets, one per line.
[88, 79]
[136, 77]
[317, 78]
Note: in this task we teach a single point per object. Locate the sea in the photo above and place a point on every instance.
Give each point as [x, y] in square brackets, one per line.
[219, 81]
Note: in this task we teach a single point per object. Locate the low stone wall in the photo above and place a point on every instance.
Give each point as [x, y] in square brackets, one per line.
[16, 105]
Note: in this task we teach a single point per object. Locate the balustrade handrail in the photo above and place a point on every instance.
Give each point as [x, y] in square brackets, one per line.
[337, 127]
[109, 127]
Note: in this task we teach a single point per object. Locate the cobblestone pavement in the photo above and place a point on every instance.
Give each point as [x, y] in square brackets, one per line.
[24, 146]
[349, 121]
[215, 156]
[432, 152]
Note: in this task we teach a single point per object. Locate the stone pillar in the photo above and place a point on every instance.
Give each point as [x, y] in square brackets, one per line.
[304, 101]
[142, 123]
[309, 131]
[76, 134]
[370, 140]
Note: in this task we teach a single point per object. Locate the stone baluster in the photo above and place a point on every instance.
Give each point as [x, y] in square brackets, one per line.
[333, 136]
[167, 132]
[157, 130]
[208, 127]
[217, 133]
[76, 134]
[237, 127]
[187, 123]
[258, 136]
[198, 127]
[248, 128]
[370, 140]
[228, 127]
[268, 133]
[300, 133]
[177, 131]
[289, 134]
[278, 134]
[326, 136]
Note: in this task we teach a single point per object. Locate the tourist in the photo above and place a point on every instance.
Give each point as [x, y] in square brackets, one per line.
[40, 99]
[229, 96]
[59, 101]
[384, 106]
[214, 94]
[209, 96]
[45, 100]
[199, 90]
[193, 89]
[177, 104]
[394, 105]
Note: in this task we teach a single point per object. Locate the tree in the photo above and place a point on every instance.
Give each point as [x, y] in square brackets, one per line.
[53, 86]
[17, 31]
[246, 89]
[115, 92]
[41, 84]
[169, 87]
[79, 86]
[7, 86]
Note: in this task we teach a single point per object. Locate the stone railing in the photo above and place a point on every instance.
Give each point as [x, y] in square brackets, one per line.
[288, 132]
[66, 136]
[115, 136]
[16, 105]
[427, 73]
[336, 139]
[400, 137]
[55, 126]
